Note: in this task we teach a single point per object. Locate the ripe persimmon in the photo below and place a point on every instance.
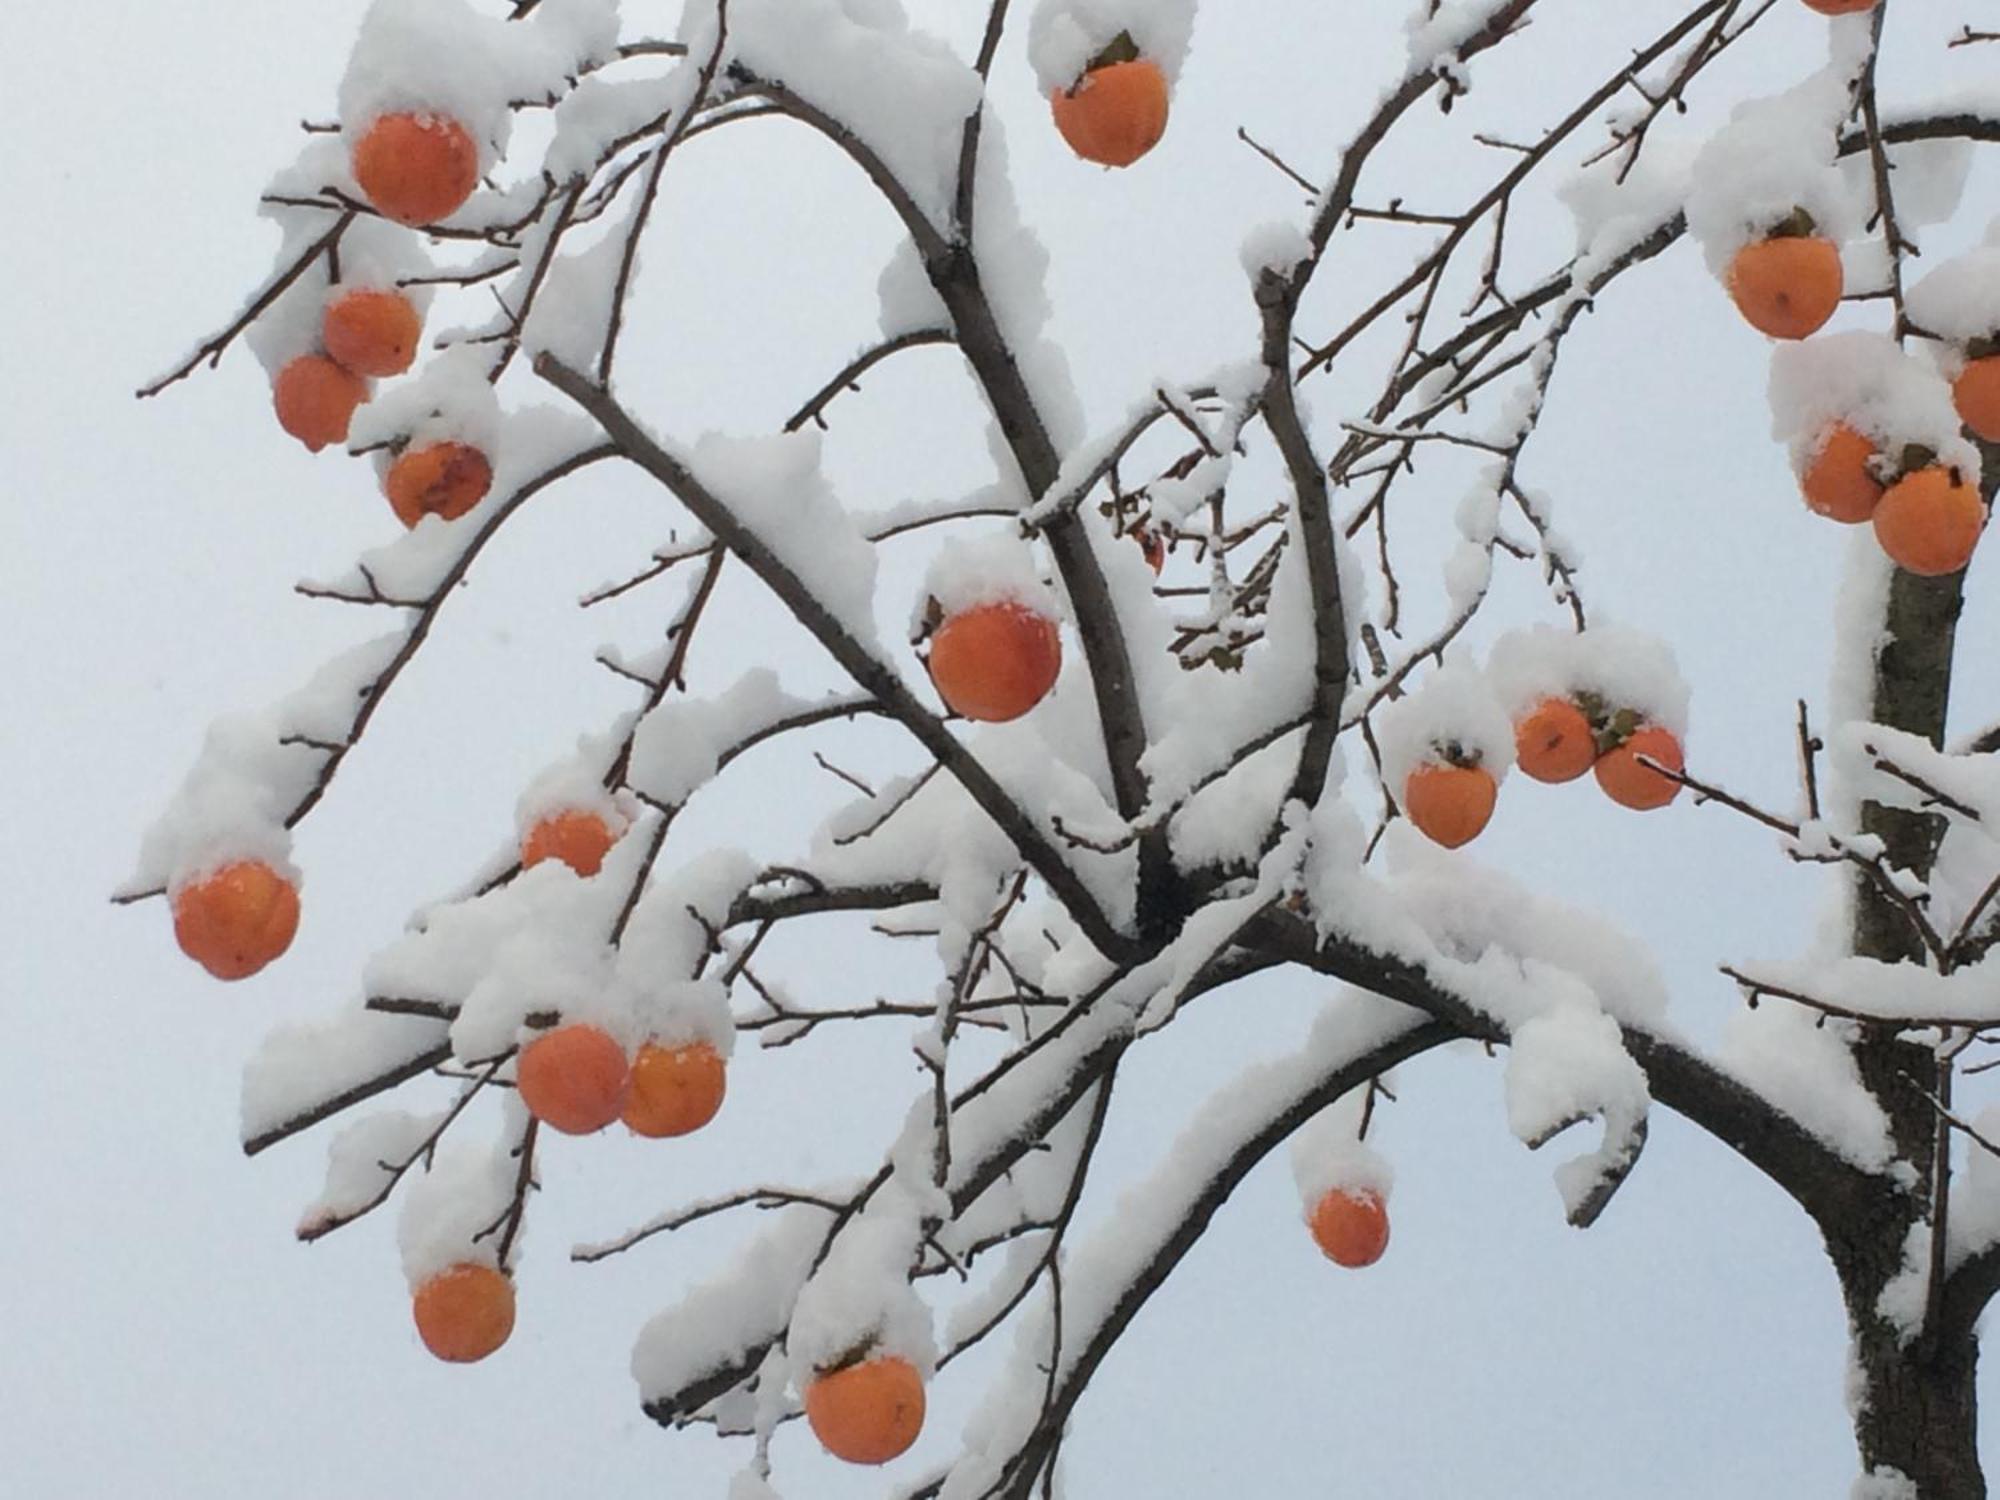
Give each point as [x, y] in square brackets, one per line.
[1786, 286]
[995, 661]
[1976, 394]
[315, 399]
[238, 919]
[574, 1078]
[371, 330]
[1553, 742]
[1351, 1226]
[1115, 113]
[465, 1312]
[1840, 7]
[867, 1412]
[1631, 784]
[1448, 803]
[675, 1090]
[1840, 481]
[439, 479]
[416, 168]
[579, 839]
[1929, 522]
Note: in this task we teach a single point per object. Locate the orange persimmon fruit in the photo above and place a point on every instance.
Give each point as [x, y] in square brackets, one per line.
[1449, 804]
[574, 1078]
[1976, 394]
[439, 479]
[1629, 783]
[236, 920]
[867, 1412]
[1351, 1226]
[371, 331]
[1840, 7]
[1929, 522]
[1840, 482]
[1553, 742]
[579, 839]
[315, 399]
[675, 1090]
[995, 661]
[416, 168]
[464, 1312]
[1786, 286]
[1115, 113]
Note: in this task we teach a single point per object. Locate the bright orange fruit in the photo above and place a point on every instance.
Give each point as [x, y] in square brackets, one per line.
[1553, 741]
[416, 168]
[1351, 1227]
[1929, 522]
[1449, 804]
[1787, 286]
[1630, 784]
[372, 331]
[440, 479]
[1114, 114]
[579, 839]
[315, 399]
[237, 920]
[574, 1078]
[464, 1313]
[675, 1090]
[995, 661]
[869, 1412]
[1839, 482]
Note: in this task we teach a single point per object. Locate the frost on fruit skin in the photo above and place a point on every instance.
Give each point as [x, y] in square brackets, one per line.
[1867, 381]
[1452, 715]
[300, 1069]
[446, 57]
[245, 781]
[447, 1209]
[576, 784]
[1774, 156]
[1065, 36]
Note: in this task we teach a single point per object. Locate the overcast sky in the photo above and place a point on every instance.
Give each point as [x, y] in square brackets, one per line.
[160, 1331]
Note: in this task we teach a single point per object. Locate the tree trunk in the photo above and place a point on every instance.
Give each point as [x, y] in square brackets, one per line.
[1915, 1404]
[1916, 1408]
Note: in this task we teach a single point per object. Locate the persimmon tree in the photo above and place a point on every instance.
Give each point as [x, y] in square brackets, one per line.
[1177, 711]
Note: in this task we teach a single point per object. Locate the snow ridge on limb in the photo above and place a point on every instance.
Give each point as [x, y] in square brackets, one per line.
[1012, 1437]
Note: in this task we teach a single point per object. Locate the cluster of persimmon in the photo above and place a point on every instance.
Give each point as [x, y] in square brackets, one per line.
[1927, 517]
[1449, 796]
[414, 168]
[1116, 110]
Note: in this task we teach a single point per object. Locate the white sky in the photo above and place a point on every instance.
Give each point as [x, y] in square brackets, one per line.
[160, 1332]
